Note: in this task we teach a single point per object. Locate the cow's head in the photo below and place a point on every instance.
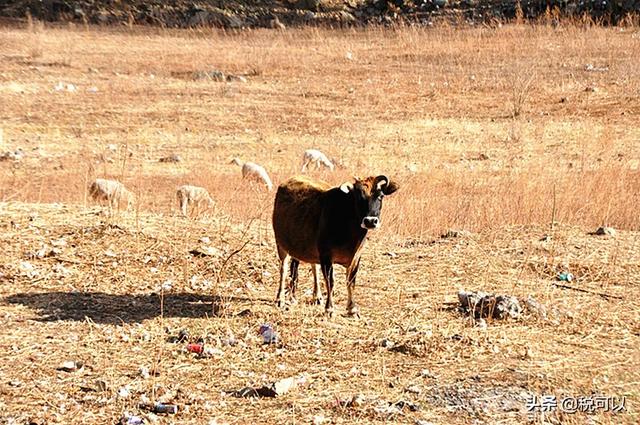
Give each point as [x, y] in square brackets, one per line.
[367, 196]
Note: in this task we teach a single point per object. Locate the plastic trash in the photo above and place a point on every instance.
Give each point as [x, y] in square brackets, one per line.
[269, 335]
[195, 348]
[171, 409]
[565, 277]
[132, 420]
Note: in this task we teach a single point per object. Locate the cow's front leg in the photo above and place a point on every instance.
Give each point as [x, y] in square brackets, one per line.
[327, 272]
[317, 294]
[352, 307]
[284, 271]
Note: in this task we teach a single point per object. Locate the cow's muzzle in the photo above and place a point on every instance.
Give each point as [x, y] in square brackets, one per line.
[370, 223]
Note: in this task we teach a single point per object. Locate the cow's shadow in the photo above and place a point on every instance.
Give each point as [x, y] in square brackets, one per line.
[117, 309]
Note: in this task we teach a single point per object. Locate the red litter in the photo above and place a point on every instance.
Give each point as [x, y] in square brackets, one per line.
[195, 348]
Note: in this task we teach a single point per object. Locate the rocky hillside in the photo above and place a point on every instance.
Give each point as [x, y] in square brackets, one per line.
[264, 13]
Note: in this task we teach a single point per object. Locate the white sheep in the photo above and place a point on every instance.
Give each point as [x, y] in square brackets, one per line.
[194, 196]
[317, 158]
[111, 191]
[254, 172]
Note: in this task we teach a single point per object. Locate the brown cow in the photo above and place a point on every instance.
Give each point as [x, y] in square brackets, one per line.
[319, 224]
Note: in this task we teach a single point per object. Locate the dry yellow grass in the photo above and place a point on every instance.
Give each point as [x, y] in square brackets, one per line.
[495, 130]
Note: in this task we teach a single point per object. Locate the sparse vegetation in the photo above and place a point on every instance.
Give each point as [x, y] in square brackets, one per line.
[433, 108]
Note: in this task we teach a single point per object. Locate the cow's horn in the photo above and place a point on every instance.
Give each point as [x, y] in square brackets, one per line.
[346, 187]
[381, 181]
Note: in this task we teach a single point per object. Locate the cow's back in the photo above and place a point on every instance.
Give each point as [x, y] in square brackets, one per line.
[296, 216]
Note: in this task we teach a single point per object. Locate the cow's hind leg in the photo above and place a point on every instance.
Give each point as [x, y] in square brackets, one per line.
[317, 294]
[327, 272]
[293, 283]
[284, 271]
[352, 307]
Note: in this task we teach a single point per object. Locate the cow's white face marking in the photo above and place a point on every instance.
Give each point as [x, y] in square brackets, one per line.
[346, 187]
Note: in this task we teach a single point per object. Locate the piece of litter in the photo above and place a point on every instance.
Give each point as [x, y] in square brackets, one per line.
[124, 392]
[565, 277]
[482, 305]
[70, 366]
[144, 372]
[269, 335]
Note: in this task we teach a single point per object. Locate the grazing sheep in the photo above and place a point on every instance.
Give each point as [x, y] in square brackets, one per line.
[194, 196]
[317, 158]
[111, 191]
[254, 172]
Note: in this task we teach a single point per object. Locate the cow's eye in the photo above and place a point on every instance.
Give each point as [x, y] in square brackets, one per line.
[381, 196]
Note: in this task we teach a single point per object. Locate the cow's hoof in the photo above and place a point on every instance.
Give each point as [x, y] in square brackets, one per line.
[280, 303]
[353, 311]
[317, 301]
[329, 312]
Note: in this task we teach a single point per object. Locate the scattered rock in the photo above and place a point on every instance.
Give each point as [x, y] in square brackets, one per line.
[357, 400]
[311, 5]
[100, 385]
[268, 334]
[413, 389]
[426, 373]
[212, 352]
[480, 157]
[124, 392]
[481, 323]
[402, 404]
[386, 343]
[276, 24]
[536, 307]
[206, 251]
[65, 87]
[346, 18]
[160, 408]
[452, 234]
[128, 419]
[605, 231]
[213, 75]
[319, 420]
[144, 372]
[16, 155]
[482, 305]
[590, 68]
[237, 78]
[276, 389]
[171, 158]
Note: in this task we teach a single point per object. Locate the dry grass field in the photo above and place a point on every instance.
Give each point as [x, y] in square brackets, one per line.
[512, 133]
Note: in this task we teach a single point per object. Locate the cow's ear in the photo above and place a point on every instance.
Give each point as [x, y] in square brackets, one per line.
[390, 187]
[346, 187]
